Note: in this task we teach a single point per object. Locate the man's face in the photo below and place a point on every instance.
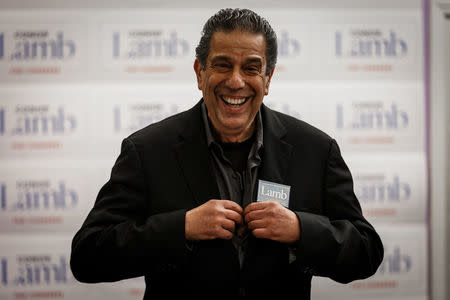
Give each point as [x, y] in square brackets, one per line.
[234, 82]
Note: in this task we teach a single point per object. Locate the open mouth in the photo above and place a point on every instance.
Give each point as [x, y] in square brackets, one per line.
[234, 102]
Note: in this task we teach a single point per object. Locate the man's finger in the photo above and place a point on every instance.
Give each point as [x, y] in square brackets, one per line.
[228, 225]
[254, 215]
[228, 204]
[225, 234]
[261, 233]
[256, 224]
[233, 215]
[255, 206]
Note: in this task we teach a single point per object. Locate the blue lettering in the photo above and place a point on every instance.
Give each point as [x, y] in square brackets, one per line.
[4, 271]
[116, 44]
[60, 198]
[288, 46]
[370, 46]
[45, 124]
[338, 43]
[392, 46]
[41, 273]
[3, 196]
[395, 263]
[394, 191]
[145, 48]
[372, 118]
[366, 48]
[2, 121]
[2, 46]
[53, 49]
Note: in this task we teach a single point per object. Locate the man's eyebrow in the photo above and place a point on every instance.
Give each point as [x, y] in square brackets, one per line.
[254, 60]
[228, 59]
[220, 57]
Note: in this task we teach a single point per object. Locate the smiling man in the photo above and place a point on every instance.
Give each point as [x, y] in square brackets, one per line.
[234, 82]
[229, 198]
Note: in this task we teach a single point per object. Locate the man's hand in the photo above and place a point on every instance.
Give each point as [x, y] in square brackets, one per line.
[213, 219]
[271, 220]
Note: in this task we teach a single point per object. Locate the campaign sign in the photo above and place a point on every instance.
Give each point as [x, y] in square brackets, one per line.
[54, 197]
[44, 122]
[390, 187]
[33, 269]
[37, 267]
[39, 45]
[402, 273]
[366, 117]
[369, 45]
[157, 44]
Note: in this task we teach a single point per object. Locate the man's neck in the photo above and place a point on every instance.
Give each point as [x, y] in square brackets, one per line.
[235, 137]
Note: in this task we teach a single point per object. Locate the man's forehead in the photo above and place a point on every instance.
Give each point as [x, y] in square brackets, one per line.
[224, 44]
[244, 34]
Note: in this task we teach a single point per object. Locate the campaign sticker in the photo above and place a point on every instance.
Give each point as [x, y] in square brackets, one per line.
[270, 191]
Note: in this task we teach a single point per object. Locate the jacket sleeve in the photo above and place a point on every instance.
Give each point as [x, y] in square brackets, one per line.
[119, 239]
[340, 244]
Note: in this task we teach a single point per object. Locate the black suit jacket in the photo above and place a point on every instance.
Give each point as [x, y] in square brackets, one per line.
[136, 226]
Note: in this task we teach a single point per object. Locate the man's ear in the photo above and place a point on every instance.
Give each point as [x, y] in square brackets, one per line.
[268, 78]
[198, 68]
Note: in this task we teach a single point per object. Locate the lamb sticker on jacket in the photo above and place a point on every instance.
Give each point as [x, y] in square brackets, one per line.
[270, 191]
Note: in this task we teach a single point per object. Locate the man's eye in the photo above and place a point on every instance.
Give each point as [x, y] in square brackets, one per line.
[253, 69]
[221, 66]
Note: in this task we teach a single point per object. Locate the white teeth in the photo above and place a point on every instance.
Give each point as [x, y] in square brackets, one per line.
[234, 101]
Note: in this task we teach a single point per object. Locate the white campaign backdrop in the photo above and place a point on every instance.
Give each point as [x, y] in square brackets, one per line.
[74, 83]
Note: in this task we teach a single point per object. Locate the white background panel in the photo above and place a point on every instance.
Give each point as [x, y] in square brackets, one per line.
[154, 44]
[119, 111]
[355, 73]
[294, 100]
[160, 44]
[45, 122]
[51, 197]
[42, 272]
[391, 187]
[368, 45]
[403, 271]
[375, 117]
[43, 46]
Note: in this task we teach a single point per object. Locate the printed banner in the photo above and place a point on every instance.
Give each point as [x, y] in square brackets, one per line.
[51, 197]
[44, 122]
[378, 117]
[391, 188]
[42, 47]
[403, 271]
[42, 271]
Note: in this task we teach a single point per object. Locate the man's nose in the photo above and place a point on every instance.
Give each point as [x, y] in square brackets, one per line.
[236, 80]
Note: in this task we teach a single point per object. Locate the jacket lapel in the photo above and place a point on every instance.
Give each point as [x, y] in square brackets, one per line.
[266, 255]
[276, 152]
[194, 158]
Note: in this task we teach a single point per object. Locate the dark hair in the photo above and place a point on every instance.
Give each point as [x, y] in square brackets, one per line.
[229, 19]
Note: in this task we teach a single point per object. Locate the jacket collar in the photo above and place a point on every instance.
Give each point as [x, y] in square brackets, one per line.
[276, 151]
[194, 157]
